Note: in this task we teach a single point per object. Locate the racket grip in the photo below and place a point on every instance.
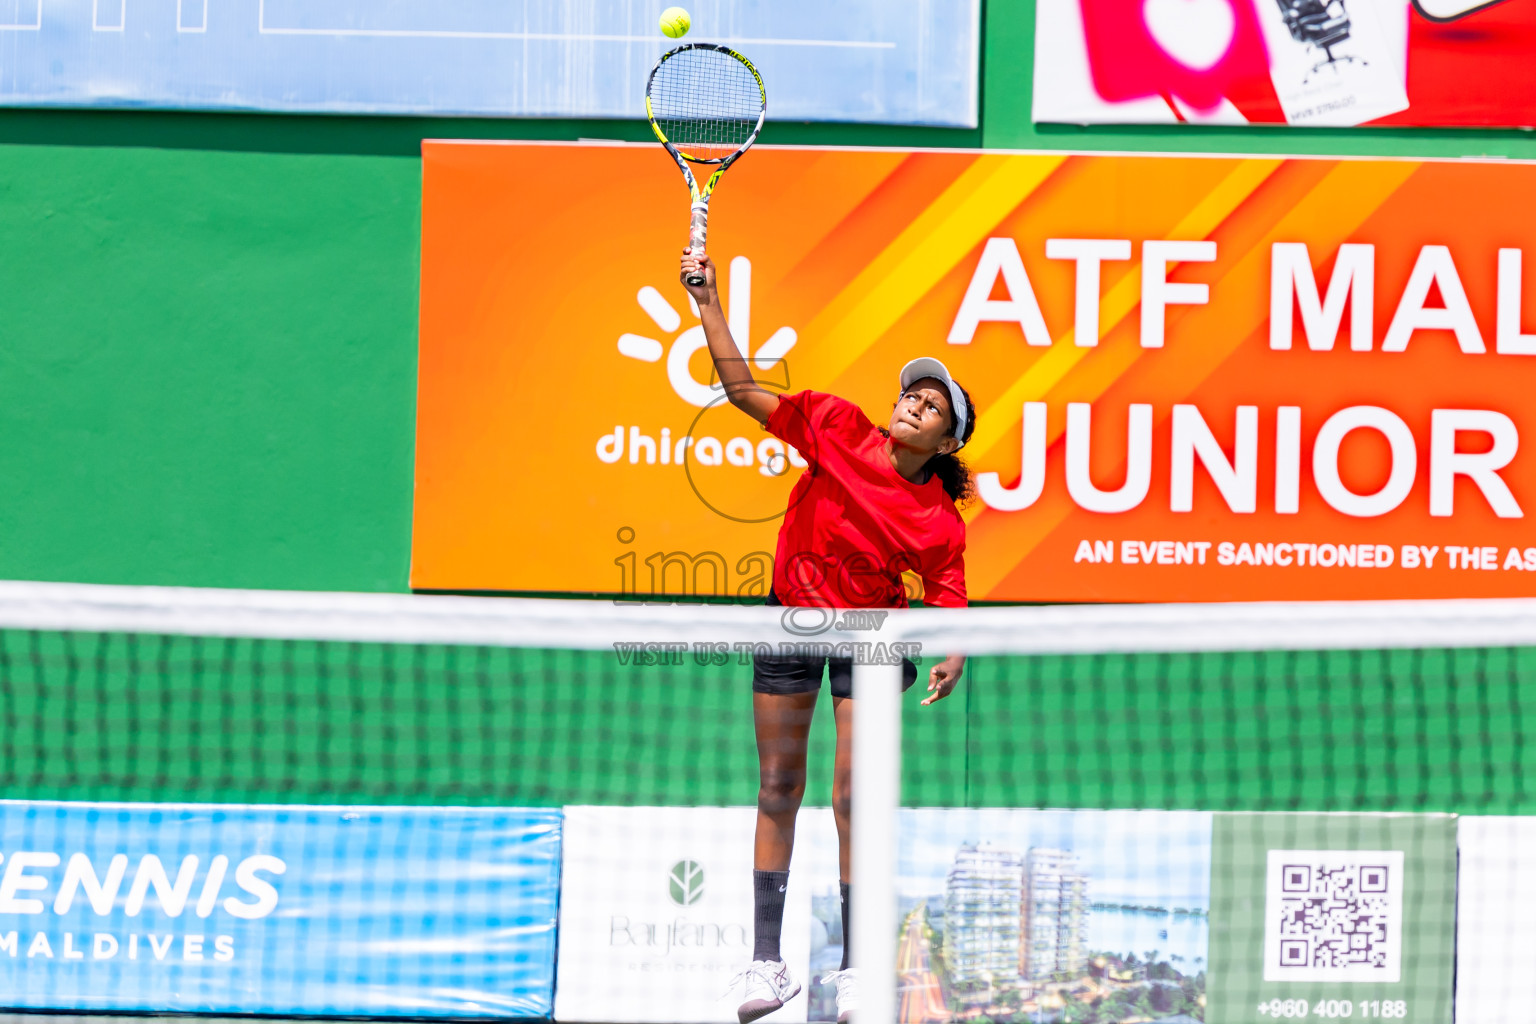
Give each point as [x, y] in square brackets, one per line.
[698, 230]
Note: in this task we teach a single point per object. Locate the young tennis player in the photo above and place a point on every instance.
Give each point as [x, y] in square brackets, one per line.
[874, 503]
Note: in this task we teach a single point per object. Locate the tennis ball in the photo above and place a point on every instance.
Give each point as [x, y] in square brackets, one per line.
[674, 23]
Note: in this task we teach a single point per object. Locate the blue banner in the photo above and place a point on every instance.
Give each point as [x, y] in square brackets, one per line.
[888, 61]
[278, 910]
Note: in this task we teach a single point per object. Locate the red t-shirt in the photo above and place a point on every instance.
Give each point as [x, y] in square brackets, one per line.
[854, 524]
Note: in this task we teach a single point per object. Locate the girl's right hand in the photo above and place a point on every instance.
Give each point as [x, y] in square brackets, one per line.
[691, 264]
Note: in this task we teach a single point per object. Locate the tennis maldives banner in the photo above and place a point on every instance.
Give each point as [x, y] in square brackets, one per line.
[1298, 62]
[200, 908]
[1196, 378]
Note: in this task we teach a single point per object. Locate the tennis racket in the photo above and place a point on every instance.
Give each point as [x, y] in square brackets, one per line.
[706, 103]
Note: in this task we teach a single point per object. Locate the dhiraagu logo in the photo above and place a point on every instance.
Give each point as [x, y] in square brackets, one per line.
[685, 883]
[738, 314]
[685, 443]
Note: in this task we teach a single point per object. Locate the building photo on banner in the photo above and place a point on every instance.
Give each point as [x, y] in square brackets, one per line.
[1195, 378]
[1340, 63]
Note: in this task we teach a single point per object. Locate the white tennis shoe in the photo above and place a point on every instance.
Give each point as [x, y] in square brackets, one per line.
[847, 983]
[769, 985]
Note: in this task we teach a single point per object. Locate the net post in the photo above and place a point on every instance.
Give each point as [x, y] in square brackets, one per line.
[876, 800]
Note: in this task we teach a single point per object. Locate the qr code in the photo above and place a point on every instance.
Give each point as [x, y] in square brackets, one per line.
[1334, 915]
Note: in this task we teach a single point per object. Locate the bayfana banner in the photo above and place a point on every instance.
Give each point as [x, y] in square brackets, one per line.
[1013, 914]
[1196, 378]
[420, 912]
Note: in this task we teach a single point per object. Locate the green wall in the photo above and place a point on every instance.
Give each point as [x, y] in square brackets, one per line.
[208, 368]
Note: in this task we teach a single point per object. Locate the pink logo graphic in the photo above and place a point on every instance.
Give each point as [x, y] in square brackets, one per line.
[1198, 51]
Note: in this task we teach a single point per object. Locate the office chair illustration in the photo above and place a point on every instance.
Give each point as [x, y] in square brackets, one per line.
[1320, 23]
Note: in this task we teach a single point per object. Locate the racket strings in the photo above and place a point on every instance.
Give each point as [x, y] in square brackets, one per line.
[706, 102]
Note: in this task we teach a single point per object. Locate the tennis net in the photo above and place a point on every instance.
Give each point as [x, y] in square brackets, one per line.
[1218, 813]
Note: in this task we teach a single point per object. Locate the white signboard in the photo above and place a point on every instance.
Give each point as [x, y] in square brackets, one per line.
[656, 911]
[1496, 920]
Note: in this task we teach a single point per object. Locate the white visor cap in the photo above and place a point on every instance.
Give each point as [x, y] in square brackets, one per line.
[927, 366]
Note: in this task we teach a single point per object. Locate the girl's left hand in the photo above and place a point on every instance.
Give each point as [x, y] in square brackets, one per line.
[943, 677]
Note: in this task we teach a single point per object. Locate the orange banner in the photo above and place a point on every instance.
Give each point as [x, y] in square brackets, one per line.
[1196, 378]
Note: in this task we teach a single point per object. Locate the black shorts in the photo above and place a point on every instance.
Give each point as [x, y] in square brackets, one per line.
[773, 673]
